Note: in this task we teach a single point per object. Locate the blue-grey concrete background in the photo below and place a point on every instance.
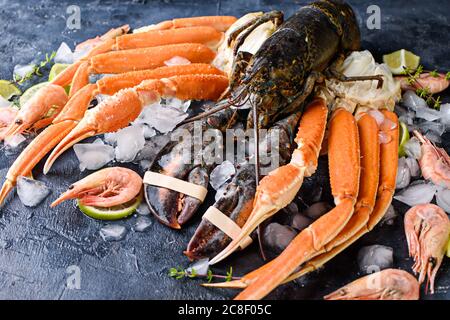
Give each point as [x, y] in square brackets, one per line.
[37, 245]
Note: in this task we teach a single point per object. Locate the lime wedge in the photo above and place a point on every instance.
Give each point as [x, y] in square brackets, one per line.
[404, 137]
[8, 90]
[30, 92]
[56, 69]
[399, 60]
[112, 213]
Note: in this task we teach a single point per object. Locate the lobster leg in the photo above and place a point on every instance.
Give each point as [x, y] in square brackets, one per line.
[127, 104]
[275, 190]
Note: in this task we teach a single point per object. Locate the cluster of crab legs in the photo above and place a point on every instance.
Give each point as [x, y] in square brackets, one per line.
[139, 78]
[361, 186]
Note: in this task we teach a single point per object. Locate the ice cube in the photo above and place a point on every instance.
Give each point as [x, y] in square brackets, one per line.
[428, 114]
[436, 128]
[93, 156]
[413, 101]
[130, 141]
[221, 191]
[416, 193]
[412, 148]
[31, 192]
[403, 174]
[413, 166]
[113, 232]
[433, 137]
[445, 115]
[4, 103]
[148, 131]
[375, 258]
[144, 165]
[199, 267]
[221, 174]
[20, 71]
[64, 54]
[182, 105]
[13, 142]
[142, 224]
[162, 118]
[143, 209]
[443, 199]
[177, 61]
[110, 138]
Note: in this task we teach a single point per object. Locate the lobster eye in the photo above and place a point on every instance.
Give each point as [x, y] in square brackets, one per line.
[71, 187]
[19, 121]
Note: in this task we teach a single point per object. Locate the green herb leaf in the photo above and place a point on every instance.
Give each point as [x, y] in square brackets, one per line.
[229, 275]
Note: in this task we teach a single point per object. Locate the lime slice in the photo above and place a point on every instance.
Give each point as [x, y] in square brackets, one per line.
[399, 60]
[112, 213]
[8, 90]
[404, 137]
[30, 92]
[56, 69]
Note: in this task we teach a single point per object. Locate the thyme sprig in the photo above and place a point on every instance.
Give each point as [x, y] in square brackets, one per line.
[422, 91]
[180, 273]
[36, 69]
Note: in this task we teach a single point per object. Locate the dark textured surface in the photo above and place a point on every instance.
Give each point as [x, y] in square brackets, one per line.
[37, 245]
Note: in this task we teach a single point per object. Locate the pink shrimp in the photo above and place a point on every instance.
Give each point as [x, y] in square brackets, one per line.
[389, 284]
[7, 116]
[427, 229]
[105, 188]
[434, 162]
[434, 84]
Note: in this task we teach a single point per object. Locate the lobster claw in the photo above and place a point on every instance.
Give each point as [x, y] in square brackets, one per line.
[236, 202]
[178, 182]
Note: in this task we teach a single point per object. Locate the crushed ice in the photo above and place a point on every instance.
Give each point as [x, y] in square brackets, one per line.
[113, 232]
[93, 156]
[31, 192]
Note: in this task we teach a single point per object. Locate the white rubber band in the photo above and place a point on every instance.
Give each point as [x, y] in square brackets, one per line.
[224, 223]
[187, 188]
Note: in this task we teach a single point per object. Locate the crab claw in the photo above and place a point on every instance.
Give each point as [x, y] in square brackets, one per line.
[389, 284]
[279, 188]
[125, 106]
[104, 188]
[39, 111]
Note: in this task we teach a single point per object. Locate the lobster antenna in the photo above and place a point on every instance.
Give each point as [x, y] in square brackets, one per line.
[222, 106]
[257, 172]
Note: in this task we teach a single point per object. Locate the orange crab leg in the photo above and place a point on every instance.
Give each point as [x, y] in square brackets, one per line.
[344, 162]
[112, 84]
[275, 190]
[204, 35]
[125, 106]
[220, 23]
[99, 45]
[385, 191]
[149, 58]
